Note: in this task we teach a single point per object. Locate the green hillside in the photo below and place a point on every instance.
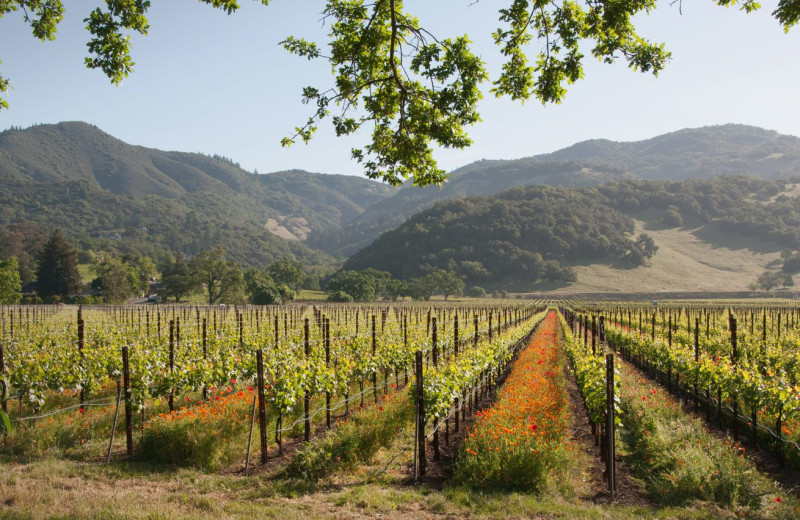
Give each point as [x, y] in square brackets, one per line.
[685, 154]
[108, 193]
[481, 178]
[547, 238]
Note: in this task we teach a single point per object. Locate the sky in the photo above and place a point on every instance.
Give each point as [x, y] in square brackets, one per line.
[212, 83]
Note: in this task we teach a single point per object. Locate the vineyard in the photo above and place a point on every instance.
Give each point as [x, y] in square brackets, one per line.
[576, 409]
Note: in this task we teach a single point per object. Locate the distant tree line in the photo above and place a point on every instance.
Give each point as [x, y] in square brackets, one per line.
[49, 273]
[369, 284]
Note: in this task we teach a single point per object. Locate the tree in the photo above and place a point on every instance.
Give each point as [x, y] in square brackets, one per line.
[340, 297]
[223, 280]
[357, 285]
[116, 280]
[10, 282]
[791, 263]
[396, 289]
[25, 242]
[673, 217]
[474, 270]
[477, 292]
[643, 247]
[448, 283]
[286, 293]
[177, 280]
[416, 90]
[261, 288]
[58, 274]
[422, 288]
[288, 272]
[769, 280]
[380, 279]
[144, 268]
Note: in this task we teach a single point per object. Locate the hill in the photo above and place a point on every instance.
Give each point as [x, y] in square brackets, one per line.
[685, 154]
[694, 153]
[96, 187]
[546, 238]
[480, 178]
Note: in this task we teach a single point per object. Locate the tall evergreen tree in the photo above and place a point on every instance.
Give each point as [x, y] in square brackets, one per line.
[58, 274]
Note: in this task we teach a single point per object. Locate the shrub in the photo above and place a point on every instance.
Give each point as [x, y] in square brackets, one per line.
[340, 296]
[477, 292]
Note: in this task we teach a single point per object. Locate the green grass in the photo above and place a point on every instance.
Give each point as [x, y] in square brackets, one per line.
[681, 463]
[306, 295]
[355, 441]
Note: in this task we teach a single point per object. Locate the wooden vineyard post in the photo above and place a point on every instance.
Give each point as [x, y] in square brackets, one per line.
[405, 345]
[126, 381]
[327, 333]
[419, 446]
[262, 406]
[279, 419]
[374, 368]
[594, 335]
[307, 395]
[171, 363]
[205, 355]
[734, 360]
[610, 433]
[455, 357]
[585, 323]
[653, 328]
[696, 362]
[80, 350]
[602, 331]
[435, 354]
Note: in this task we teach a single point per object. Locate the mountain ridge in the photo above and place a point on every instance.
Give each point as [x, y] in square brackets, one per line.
[116, 188]
[690, 153]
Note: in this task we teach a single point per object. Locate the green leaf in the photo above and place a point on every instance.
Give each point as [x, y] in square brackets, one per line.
[5, 423]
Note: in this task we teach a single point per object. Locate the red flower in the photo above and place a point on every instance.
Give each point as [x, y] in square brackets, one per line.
[533, 427]
[249, 388]
[644, 398]
[778, 499]
[233, 381]
[81, 410]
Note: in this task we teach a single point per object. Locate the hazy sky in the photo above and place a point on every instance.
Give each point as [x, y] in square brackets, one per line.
[208, 82]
